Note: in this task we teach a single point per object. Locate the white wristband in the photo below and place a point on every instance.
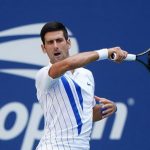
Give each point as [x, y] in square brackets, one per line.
[103, 54]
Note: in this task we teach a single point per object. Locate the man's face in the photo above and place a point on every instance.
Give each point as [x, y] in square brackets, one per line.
[56, 46]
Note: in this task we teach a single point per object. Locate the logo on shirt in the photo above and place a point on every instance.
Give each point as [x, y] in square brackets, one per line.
[88, 84]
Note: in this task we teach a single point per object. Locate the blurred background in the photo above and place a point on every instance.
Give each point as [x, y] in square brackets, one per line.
[92, 24]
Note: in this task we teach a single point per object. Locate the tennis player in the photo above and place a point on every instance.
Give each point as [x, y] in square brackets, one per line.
[65, 92]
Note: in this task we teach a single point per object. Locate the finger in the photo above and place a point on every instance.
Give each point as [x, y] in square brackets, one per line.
[98, 99]
[107, 111]
[103, 109]
[125, 54]
[108, 105]
[105, 101]
[120, 54]
[117, 48]
[105, 116]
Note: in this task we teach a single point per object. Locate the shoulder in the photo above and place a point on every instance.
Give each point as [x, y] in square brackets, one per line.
[42, 72]
[40, 75]
[43, 81]
[85, 72]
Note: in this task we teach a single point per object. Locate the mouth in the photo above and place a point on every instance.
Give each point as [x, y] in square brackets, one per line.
[57, 54]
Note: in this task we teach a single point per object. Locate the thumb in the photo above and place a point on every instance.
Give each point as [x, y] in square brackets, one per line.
[98, 99]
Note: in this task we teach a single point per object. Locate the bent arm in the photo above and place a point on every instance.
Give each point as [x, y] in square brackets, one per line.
[73, 62]
[81, 59]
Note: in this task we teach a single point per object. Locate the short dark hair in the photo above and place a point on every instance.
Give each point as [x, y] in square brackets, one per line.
[53, 26]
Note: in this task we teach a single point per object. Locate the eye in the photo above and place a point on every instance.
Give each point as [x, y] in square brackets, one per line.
[59, 40]
[50, 42]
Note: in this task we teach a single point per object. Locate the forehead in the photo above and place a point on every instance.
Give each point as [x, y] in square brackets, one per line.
[54, 35]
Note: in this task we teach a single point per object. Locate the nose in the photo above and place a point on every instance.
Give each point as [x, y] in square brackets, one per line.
[55, 44]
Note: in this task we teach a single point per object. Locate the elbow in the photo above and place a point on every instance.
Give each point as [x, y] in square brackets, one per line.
[53, 73]
[58, 69]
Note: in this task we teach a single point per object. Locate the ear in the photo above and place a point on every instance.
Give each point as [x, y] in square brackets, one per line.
[43, 48]
[69, 43]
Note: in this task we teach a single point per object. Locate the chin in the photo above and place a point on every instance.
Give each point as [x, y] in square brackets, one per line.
[57, 60]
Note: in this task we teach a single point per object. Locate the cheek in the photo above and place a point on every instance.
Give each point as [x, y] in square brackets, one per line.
[66, 52]
[48, 51]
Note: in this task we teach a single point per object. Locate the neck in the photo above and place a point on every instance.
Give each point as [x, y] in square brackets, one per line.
[72, 71]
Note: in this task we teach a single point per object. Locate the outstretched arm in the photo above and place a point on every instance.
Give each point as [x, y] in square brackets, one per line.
[81, 59]
[104, 109]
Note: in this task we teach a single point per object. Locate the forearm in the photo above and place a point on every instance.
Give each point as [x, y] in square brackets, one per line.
[73, 62]
[81, 59]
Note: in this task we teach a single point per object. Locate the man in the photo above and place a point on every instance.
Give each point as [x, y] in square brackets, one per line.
[66, 91]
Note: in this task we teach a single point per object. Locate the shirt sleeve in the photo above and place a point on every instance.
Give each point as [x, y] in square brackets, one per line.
[43, 81]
